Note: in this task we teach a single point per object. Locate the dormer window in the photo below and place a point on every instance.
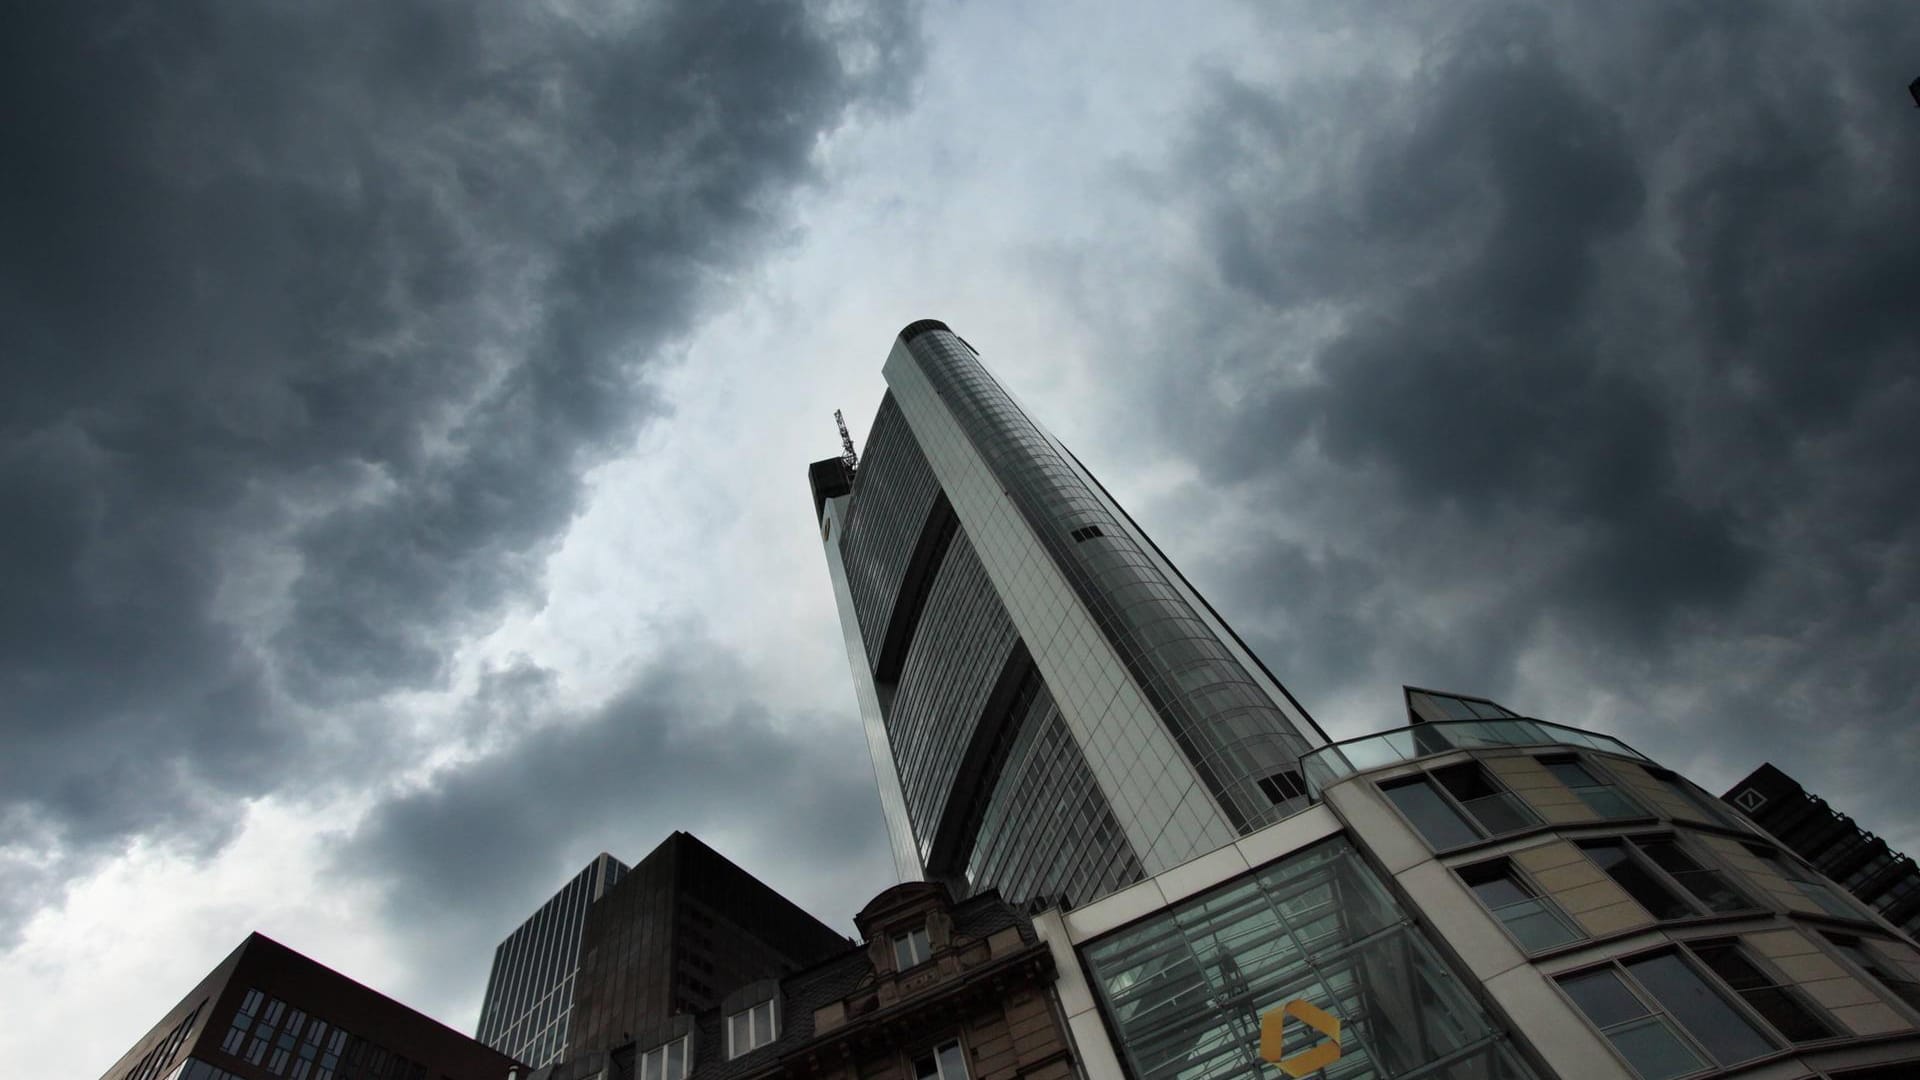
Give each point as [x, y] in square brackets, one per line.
[666, 1062]
[911, 949]
[752, 1028]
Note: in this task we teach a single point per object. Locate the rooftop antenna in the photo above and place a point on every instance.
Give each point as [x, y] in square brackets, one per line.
[847, 456]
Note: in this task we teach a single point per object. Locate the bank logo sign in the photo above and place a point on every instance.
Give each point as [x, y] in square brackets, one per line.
[1273, 1038]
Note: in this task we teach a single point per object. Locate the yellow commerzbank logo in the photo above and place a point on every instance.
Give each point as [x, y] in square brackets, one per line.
[1273, 1035]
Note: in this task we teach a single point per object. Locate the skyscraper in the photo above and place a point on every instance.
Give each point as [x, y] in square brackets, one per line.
[1052, 709]
[529, 999]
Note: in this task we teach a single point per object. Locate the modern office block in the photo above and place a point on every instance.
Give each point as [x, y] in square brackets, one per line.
[529, 1001]
[1861, 862]
[1495, 898]
[269, 1013]
[1052, 709]
[681, 928]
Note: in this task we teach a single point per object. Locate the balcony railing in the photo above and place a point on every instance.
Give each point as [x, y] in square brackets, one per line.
[1336, 761]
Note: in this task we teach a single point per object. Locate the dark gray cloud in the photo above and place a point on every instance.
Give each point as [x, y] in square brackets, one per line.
[312, 319]
[1579, 353]
[682, 746]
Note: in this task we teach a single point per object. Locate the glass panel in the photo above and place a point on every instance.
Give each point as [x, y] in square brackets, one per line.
[1788, 1015]
[1187, 989]
[1603, 997]
[1437, 821]
[1501, 813]
[1727, 1035]
[1639, 883]
[1654, 1051]
[1537, 926]
[953, 1063]
[1710, 887]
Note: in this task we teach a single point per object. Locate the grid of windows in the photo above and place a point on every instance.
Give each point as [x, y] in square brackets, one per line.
[1665, 878]
[1458, 805]
[526, 1012]
[1185, 989]
[287, 1042]
[1047, 829]
[894, 492]
[1230, 731]
[962, 642]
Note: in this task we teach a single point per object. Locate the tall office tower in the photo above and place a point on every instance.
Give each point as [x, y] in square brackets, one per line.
[680, 929]
[529, 998]
[269, 1013]
[1051, 708]
[1881, 877]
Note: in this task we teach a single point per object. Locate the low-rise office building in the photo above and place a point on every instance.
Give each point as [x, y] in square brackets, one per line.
[1490, 898]
[270, 1013]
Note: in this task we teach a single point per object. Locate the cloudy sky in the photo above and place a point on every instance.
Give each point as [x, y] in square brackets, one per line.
[407, 403]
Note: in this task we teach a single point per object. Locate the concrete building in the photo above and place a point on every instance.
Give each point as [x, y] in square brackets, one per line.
[1018, 643]
[269, 1013]
[1499, 897]
[1878, 876]
[528, 1006]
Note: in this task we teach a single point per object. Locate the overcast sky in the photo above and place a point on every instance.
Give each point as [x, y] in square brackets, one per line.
[406, 409]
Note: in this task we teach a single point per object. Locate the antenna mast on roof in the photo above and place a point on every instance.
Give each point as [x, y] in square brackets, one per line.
[847, 456]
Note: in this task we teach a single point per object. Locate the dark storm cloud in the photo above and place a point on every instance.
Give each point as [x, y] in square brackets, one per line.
[465, 860]
[1592, 331]
[312, 318]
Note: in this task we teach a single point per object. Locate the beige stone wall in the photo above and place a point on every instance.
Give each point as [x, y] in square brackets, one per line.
[1857, 1006]
[1552, 800]
[1582, 889]
[1773, 890]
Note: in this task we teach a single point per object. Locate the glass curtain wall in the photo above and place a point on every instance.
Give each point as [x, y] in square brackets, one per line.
[1184, 991]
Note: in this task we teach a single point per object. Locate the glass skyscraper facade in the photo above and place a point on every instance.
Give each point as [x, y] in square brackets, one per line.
[1052, 710]
[529, 997]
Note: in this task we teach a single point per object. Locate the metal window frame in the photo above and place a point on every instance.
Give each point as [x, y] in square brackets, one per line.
[1631, 843]
[1515, 872]
[1428, 777]
[1728, 996]
[1603, 779]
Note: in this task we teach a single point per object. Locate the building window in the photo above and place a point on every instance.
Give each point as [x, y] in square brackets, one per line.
[1535, 922]
[911, 949]
[1283, 786]
[946, 1062]
[1817, 891]
[1666, 880]
[751, 1028]
[1458, 805]
[1879, 968]
[1770, 997]
[1085, 533]
[1664, 1017]
[1600, 796]
[1704, 808]
[668, 1062]
[1427, 703]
